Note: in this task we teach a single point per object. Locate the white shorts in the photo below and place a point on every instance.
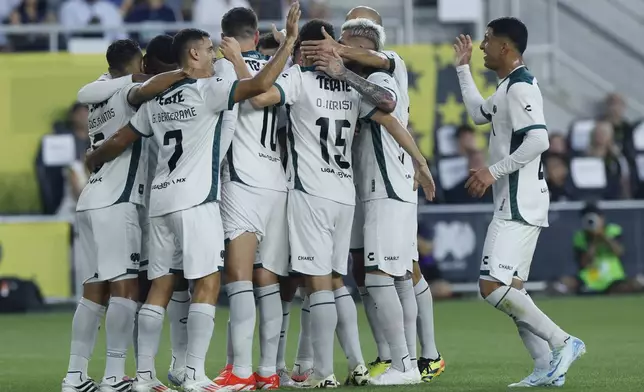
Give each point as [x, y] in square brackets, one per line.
[508, 250]
[144, 222]
[319, 233]
[357, 229]
[109, 242]
[192, 240]
[246, 209]
[389, 236]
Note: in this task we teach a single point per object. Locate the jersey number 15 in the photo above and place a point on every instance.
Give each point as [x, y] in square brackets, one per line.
[340, 141]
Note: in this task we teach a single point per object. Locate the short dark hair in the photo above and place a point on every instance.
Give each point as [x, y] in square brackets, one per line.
[267, 41]
[239, 22]
[121, 52]
[312, 31]
[590, 207]
[462, 129]
[183, 38]
[512, 29]
[160, 47]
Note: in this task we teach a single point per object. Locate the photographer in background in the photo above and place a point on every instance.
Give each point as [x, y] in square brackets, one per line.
[598, 253]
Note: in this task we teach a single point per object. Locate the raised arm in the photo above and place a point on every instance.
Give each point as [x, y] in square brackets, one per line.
[102, 89]
[269, 98]
[111, 148]
[154, 86]
[474, 102]
[379, 96]
[423, 176]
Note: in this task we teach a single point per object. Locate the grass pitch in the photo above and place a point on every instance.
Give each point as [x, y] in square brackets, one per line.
[481, 347]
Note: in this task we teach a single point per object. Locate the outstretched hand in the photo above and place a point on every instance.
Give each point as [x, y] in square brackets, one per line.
[462, 50]
[293, 21]
[331, 64]
[279, 36]
[423, 178]
[313, 49]
[479, 181]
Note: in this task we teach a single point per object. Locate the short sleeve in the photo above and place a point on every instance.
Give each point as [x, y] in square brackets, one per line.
[219, 93]
[384, 80]
[486, 110]
[225, 69]
[526, 107]
[289, 85]
[140, 123]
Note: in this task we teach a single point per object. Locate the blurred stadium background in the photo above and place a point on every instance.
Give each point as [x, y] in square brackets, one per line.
[588, 59]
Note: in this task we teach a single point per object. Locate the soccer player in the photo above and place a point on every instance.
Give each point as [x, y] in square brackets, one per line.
[519, 136]
[267, 44]
[253, 211]
[158, 58]
[323, 113]
[430, 363]
[183, 205]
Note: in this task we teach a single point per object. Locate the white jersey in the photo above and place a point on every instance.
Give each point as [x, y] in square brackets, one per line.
[383, 169]
[399, 70]
[122, 179]
[186, 122]
[254, 156]
[322, 117]
[516, 108]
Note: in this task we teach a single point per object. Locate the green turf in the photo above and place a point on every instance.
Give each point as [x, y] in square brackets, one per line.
[480, 346]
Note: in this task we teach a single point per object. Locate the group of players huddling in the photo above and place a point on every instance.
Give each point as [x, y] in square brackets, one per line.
[188, 179]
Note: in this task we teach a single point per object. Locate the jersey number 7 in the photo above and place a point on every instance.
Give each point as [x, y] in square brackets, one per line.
[340, 141]
[178, 148]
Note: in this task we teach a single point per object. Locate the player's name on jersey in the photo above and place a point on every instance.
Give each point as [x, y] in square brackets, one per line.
[106, 116]
[179, 115]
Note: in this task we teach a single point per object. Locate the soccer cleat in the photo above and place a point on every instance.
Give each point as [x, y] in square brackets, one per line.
[87, 386]
[358, 376]
[154, 385]
[396, 377]
[300, 375]
[285, 378]
[328, 382]
[125, 385]
[176, 376]
[204, 385]
[234, 383]
[431, 368]
[267, 383]
[563, 357]
[224, 373]
[537, 379]
[378, 367]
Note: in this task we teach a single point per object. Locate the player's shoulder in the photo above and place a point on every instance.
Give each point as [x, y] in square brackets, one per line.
[521, 80]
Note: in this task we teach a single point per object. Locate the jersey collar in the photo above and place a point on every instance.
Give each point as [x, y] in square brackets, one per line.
[253, 54]
[513, 71]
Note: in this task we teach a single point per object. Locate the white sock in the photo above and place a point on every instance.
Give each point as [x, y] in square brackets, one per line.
[390, 317]
[304, 356]
[405, 290]
[526, 314]
[286, 321]
[376, 329]
[347, 328]
[425, 321]
[324, 320]
[201, 324]
[178, 308]
[87, 320]
[230, 354]
[242, 326]
[270, 324]
[538, 348]
[119, 324]
[150, 328]
[135, 335]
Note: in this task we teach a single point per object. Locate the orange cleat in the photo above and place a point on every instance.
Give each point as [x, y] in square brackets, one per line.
[267, 383]
[233, 383]
[223, 374]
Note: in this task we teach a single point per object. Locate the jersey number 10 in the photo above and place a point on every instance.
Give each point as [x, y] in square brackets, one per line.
[340, 141]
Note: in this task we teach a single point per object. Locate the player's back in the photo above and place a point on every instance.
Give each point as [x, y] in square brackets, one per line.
[383, 169]
[320, 130]
[254, 157]
[122, 179]
[185, 122]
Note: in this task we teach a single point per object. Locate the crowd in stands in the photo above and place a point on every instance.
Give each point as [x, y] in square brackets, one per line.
[114, 13]
[599, 158]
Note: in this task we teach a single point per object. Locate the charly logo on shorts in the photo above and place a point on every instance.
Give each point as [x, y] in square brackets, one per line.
[135, 257]
[453, 242]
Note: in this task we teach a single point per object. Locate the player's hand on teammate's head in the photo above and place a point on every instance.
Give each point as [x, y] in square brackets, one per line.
[313, 49]
[423, 178]
[229, 47]
[331, 64]
[293, 21]
[479, 181]
[462, 50]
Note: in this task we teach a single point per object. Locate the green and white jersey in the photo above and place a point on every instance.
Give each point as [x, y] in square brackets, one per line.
[185, 121]
[254, 156]
[383, 170]
[399, 70]
[322, 116]
[121, 180]
[516, 108]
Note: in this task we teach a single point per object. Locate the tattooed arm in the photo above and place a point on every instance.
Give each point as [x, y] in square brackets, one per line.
[379, 96]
